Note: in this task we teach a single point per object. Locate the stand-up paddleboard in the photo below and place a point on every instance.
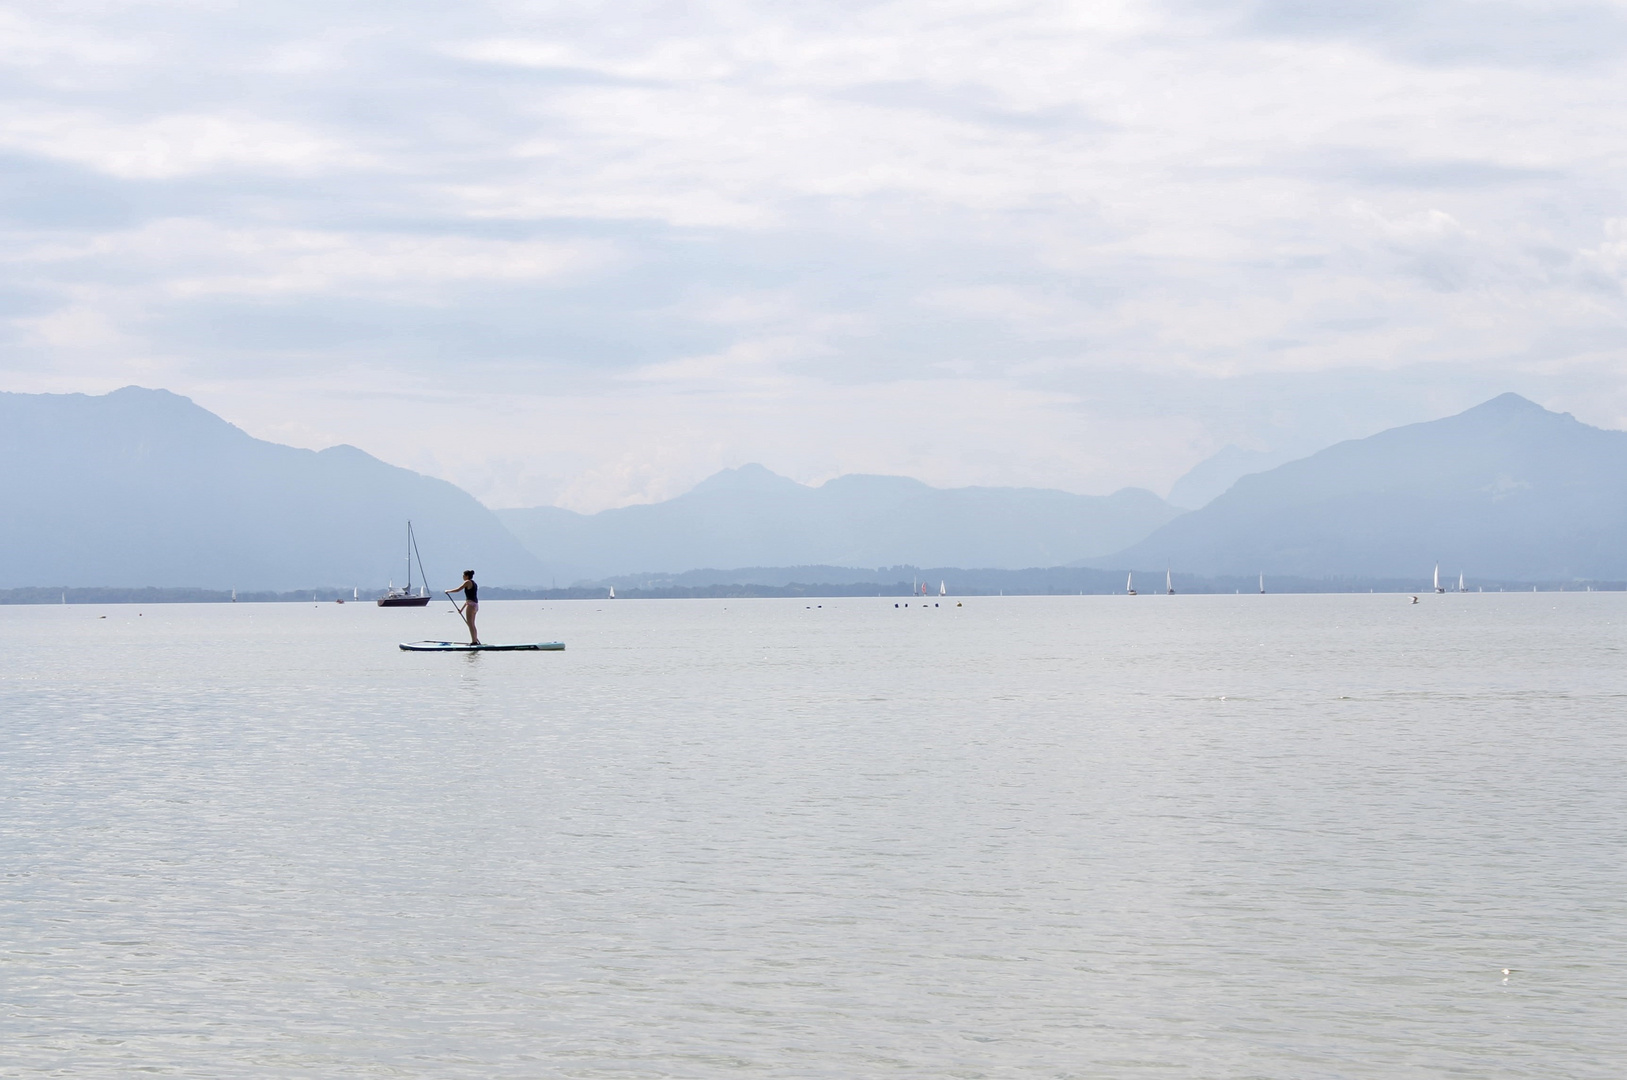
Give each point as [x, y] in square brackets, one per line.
[463, 646]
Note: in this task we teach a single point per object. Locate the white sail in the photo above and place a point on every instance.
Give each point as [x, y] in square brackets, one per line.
[612, 592]
[1460, 584]
[1169, 584]
[1262, 584]
[943, 590]
[1437, 577]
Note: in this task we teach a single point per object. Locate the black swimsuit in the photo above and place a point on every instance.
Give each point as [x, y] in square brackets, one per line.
[471, 591]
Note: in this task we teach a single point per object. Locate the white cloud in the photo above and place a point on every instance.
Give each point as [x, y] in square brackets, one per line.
[58, 53]
[192, 258]
[166, 147]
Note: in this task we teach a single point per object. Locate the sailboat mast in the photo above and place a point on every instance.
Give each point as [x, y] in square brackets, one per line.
[423, 577]
[409, 558]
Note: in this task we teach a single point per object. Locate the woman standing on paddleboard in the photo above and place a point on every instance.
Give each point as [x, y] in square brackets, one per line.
[471, 603]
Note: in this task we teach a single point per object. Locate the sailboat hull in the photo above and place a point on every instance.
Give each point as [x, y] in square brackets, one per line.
[403, 601]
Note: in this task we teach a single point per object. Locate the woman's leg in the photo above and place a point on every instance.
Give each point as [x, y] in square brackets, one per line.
[469, 611]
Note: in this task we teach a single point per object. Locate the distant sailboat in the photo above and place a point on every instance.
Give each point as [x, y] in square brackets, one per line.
[1262, 584]
[1169, 585]
[612, 592]
[1460, 584]
[943, 590]
[234, 596]
[1129, 585]
[1438, 578]
[404, 597]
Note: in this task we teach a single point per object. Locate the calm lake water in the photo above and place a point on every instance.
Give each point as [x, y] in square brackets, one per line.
[1205, 836]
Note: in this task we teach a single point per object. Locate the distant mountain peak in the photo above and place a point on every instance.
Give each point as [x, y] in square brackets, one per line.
[1210, 478]
[149, 398]
[1510, 405]
[148, 392]
[748, 477]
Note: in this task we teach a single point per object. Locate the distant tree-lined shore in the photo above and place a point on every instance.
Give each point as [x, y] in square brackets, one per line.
[1052, 581]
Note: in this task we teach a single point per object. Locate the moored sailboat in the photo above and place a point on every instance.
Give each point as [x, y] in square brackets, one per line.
[1129, 585]
[405, 597]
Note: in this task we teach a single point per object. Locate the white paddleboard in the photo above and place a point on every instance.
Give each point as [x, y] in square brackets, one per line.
[463, 646]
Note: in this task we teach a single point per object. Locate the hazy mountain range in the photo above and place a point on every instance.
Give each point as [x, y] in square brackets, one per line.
[142, 487]
[751, 517]
[1505, 491]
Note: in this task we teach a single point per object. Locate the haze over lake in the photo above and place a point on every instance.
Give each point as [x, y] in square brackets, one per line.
[1281, 836]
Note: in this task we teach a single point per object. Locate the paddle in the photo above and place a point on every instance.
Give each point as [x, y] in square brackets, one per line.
[458, 609]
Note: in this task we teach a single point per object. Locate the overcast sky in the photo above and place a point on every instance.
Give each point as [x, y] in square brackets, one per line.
[588, 254]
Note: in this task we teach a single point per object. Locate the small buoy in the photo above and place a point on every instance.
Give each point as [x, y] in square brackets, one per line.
[957, 603]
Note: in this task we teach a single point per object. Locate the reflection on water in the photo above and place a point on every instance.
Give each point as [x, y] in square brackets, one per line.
[1093, 836]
